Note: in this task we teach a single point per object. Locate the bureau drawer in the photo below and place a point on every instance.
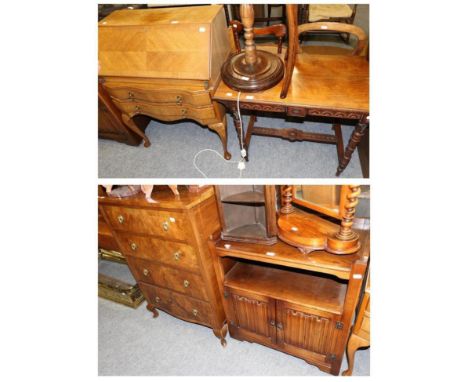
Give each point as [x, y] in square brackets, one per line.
[179, 305]
[168, 224]
[168, 252]
[166, 112]
[174, 279]
[151, 93]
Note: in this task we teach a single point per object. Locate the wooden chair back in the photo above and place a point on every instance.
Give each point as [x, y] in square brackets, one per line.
[278, 30]
[361, 45]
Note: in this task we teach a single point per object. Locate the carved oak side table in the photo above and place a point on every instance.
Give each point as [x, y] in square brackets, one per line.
[332, 86]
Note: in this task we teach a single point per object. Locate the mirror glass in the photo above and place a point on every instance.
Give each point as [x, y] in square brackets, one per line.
[323, 199]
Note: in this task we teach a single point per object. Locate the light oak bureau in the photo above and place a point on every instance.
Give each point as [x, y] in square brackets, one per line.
[165, 63]
[166, 247]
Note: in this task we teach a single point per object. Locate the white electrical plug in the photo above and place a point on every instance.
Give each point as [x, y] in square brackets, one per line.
[243, 153]
[241, 165]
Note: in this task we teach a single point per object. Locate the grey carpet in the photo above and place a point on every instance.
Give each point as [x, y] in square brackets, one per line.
[131, 342]
[175, 145]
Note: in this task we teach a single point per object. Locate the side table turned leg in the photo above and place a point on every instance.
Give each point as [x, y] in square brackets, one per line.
[133, 127]
[358, 133]
[237, 124]
[221, 129]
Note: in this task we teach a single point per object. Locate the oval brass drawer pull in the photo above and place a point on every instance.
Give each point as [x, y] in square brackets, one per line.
[145, 272]
[177, 255]
[195, 312]
[184, 111]
[165, 226]
[186, 283]
[130, 95]
[120, 219]
[133, 246]
[179, 100]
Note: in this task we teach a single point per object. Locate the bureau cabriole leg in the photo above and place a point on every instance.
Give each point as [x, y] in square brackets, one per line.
[153, 310]
[352, 144]
[221, 129]
[133, 127]
[221, 334]
[355, 342]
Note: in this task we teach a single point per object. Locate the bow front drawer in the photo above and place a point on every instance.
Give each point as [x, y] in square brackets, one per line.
[151, 93]
[166, 112]
[171, 253]
[167, 224]
[179, 305]
[154, 273]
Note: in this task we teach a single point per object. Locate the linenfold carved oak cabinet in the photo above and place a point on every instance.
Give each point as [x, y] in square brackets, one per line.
[165, 63]
[166, 247]
[300, 304]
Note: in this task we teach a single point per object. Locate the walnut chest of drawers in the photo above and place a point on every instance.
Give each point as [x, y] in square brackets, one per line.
[166, 247]
[165, 63]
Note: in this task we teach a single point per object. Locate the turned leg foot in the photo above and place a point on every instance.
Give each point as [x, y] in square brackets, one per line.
[153, 310]
[221, 129]
[221, 334]
[352, 144]
[133, 127]
[355, 342]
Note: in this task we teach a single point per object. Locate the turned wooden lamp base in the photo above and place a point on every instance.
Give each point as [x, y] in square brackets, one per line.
[311, 233]
[263, 74]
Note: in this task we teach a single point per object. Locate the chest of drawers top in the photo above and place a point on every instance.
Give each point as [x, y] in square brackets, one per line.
[184, 43]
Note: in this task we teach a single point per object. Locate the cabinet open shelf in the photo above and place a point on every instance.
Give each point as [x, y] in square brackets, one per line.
[320, 293]
[256, 230]
[247, 197]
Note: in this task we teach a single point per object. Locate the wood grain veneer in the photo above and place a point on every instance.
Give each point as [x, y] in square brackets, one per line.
[166, 247]
[165, 64]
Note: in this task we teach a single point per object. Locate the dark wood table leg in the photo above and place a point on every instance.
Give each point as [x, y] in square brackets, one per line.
[233, 109]
[358, 132]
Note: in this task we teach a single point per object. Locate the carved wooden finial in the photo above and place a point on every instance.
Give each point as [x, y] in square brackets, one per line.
[286, 200]
[345, 232]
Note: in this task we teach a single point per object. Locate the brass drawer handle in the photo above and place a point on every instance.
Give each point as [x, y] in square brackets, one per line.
[195, 312]
[120, 219]
[186, 283]
[130, 95]
[272, 323]
[279, 326]
[145, 272]
[165, 226]
[177, 255]
[184, 111]
[137, 108]
[133, 246]
[179, 100]
[157, 299]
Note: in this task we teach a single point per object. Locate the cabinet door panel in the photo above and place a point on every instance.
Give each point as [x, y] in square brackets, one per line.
[252, 316]
[302, 330]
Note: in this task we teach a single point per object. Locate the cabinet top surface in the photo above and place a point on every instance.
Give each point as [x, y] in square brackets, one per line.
[158, 16]
[284, 254]
[319, 81]
[163, 198]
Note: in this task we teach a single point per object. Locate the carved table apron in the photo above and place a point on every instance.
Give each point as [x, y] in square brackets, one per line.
[322, 86]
